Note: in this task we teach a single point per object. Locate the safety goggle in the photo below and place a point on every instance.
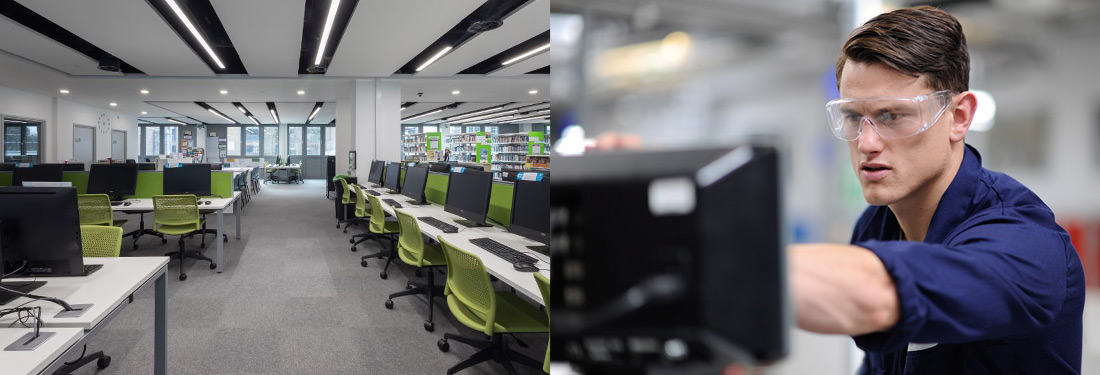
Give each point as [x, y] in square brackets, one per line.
[890, 117]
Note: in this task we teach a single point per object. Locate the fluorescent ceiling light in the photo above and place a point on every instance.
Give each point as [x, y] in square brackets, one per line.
[63, 91]
[469, 115]
[144, 113]
[274, 116]
[482, 117]
[436, 57]
[525, 55]
[144, 92]
[253, 120]
[176, 121]
[301, 92]
[195, 32]
[316, 109]
[219, 114]
[328, 29]
[402, 108]
[223, 92]
[456, 92]
[113, 104]
[241, 108]
[533, 92]
[423, 114]
[529, 118]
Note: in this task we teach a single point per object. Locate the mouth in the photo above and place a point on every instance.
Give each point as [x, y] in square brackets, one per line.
[874, 171]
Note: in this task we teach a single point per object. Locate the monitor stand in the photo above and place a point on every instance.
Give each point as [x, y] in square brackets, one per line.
[415, 203]
[542, 249]
[24, 287]
[471, 224]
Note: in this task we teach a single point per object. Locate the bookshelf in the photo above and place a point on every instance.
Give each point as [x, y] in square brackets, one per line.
[520, 151]
[470, 147]
[421, 146]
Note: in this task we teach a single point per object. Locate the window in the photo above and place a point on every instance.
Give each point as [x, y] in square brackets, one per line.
[233, 140]
[492, 129]
[251, 141]
[330, 140]
[21, 141]
[294, 140]
[171, 140]
[431, 128]
[313, 140]
[472, 129]
[411, 130]
[271, 140]
[153, 142]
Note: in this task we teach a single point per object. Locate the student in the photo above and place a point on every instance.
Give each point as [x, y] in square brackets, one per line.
[954, 268]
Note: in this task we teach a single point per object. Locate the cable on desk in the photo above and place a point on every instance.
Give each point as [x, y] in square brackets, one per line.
[6, 275]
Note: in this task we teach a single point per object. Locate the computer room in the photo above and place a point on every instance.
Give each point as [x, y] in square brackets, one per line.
[275, 187]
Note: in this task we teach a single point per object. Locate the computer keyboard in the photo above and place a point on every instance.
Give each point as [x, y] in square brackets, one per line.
[504, 252]
[374, 193]
[392, 202]
[89, 268]
[439, 224]
[116, 203]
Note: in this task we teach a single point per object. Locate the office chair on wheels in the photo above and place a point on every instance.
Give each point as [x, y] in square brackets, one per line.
[362, 216]
[104, 242]
[95, 209]
[381, 228]
[345, 201]
[178, 215]
[414, 251]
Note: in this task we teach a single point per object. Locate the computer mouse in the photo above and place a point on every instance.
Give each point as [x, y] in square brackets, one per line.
[525, 267]
[126, 204]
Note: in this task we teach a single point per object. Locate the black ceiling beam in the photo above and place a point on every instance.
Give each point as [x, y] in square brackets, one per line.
[34, 21]
[205, 19]
[313, 26]
[497, 61]
[492, 12]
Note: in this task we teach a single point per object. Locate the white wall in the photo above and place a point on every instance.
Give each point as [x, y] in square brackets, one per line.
[19, 103]
[377, 122]
[59, 116]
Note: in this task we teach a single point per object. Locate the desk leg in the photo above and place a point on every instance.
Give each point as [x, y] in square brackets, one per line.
[160, 337]
[238, 210]
[218, 238]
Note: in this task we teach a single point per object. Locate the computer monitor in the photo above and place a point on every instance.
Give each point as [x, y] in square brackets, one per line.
[7, 167]
[440, 166]
[474, 166]
[511, 174]
[701, 231]
[191, 179]
[115, 180]
[37, 173]
[415, 180]
[73, 167]
[531, 210]
[375, 175]
[393, 177]
[40, 231]
[468, 195]
[147, 166]
[216, 166]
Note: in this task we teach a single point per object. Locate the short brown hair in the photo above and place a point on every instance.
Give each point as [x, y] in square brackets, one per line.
[913, 41]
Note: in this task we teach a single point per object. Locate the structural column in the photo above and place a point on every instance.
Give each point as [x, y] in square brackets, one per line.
[368, 121]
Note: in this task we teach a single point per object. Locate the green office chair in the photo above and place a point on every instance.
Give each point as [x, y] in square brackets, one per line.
[178, 215]
[98, 241]
[544, 287]
[95, 209]
[362, 216]
[345, 201]
[476, 305]
[381, 228]
[414, 251]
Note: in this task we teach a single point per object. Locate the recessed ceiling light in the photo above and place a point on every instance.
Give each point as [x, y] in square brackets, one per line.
[64, 91]
[525, 55]
[432, 60]
[144, 92]
[219, 114]
[422, 115]
[402, 108]
[113, 104]
[195, 32]
[533, 92]
[301, 92]
[241, 108]
[325, 33]
[456, 92]
[176, 121]
[223, 92]
[316, 108]
[144, 113]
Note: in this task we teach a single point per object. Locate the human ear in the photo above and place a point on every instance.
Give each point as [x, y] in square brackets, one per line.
[962, 115]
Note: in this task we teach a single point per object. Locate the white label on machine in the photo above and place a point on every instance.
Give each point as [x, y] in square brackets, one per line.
[671, 196]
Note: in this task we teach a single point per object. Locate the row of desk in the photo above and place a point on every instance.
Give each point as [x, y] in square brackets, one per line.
[522, 282]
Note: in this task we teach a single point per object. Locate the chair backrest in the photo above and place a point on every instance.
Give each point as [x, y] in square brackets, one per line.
[360, 202]
[544, 287]
[377, 215]
[256, 174]
[176, 210]
[469, 283]
[411, 241]
[95, 209]
[347, 192]
[100, 241]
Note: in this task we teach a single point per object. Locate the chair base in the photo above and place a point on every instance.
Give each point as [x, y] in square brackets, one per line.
[102, 361]
[392, 254]
[141, 231]
[189, 254]
[495, 349]
[429, 289]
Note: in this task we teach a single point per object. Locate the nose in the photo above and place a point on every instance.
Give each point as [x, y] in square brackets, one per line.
[869, 141]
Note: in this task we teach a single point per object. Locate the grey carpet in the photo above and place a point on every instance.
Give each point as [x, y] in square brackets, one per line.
[293, 300]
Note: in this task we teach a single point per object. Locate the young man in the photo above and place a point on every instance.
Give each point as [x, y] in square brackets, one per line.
[954, 269]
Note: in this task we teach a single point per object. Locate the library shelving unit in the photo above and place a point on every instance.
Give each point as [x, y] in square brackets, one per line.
[513, 150]
[421, 146]
[470, 147]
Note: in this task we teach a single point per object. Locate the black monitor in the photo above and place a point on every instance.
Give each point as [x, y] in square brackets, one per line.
[468, 195]
[375, 175]
[511, 174]
[393, 177]
[474, 166]
[440, 166]
[40, 231]
[37, 173]
[115, 180]
[703, 233]
[73, 167]
[191, 179]
[415, 180]
[531, 210]
[147, 166]
[7, 167]
[216, 166]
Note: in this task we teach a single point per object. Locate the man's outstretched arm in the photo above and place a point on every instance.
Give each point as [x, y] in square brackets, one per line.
[841, 289]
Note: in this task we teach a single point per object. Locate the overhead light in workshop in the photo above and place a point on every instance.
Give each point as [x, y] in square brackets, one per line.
[195, 32]
[456, 92]
[436, 57]
[542, 117]
[113, 104]
[402, 108]
[63, 91]
[985, 113]
[273, 111]
[316, 108]
[301, 92]
[525, 55]
[175, 121]
[144, 92]
[645, 59]
[144, 113]
[533, 92]
[328, 29]
[241, 108]
[223, 92]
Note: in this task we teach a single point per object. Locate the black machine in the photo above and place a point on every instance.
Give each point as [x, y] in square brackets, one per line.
[147, 166]
[393, 177]
[531, 210]
[375, 175]
[511, 175]
[468, 196]
[441, 166]
[191, 179]
[115, 180]
[40, 232]
[416, 178]
[73, 167]
[38, 173]
[216, 166]
[703, 235]
[473, 166]
[7, 167]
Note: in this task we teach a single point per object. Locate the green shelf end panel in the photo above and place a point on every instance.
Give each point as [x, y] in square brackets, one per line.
[435, 189]
[78, 179]
[5, 178]
[152, 183]
[500, 203]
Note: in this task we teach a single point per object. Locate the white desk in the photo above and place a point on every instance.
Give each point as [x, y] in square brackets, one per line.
[108, 290]
[248, 174]
[217, 205]
[524, 282]
[286, 168]
[34, 361]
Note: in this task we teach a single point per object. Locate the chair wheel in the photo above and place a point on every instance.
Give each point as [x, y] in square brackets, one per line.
[135, 246]
[354, 249]
[163, 241]
[202, 246]
[103, 362]
[408, 286]
[418, 273]
[225, 238]
[363, 262]
[183, 276]
[352, 240]
[337, 225]
[213, 265]
[379, 256]
[429, 326]
[389, 304]
[383, 275]
[345, 230]
[443, 345]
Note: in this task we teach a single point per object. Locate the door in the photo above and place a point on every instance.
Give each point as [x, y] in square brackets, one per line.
[118, 145]
[21, 140]
[83, 144]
